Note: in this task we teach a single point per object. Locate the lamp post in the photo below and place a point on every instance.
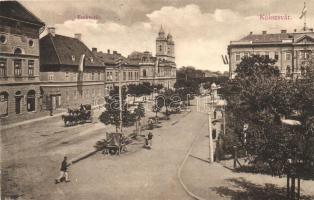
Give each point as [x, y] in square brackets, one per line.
[210, 135]
[120, 94]
[210, 132]
[188, 98]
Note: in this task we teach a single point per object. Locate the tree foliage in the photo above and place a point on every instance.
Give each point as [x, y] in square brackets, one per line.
[261, 98]
[144, 88]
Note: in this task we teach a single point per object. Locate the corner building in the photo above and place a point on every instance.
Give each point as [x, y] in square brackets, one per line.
[292, 51]
[20, 96]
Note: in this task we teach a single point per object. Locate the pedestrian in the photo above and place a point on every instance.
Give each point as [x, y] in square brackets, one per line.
[63, 171]
[150, 139]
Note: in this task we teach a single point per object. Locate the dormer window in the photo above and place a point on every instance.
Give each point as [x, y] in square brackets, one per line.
[18, 51]
[3, 39]
[73, 58]
[31, 43]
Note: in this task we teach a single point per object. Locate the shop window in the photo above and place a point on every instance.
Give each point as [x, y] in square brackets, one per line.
[30, 101]
[4, 104]
[18, 97]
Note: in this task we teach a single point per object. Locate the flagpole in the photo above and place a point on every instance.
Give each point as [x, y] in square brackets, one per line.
[305, 17]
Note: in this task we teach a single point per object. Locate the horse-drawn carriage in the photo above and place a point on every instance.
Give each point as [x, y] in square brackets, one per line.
[78, 116]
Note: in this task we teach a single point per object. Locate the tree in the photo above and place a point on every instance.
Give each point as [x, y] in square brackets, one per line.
[260, 98]
[111, 115]
[144, 88]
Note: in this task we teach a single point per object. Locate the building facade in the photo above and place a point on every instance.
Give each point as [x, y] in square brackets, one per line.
[70, 74]
[140, 67]
[20, 96]
[292, 51]
[130, 73]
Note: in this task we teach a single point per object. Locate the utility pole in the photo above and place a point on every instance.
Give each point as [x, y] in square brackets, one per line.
[120, 94]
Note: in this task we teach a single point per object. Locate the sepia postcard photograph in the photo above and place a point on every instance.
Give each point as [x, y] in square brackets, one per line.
[157, 100]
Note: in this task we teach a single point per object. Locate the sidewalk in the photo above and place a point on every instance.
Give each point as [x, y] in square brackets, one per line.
[214, 181]
[4, 127]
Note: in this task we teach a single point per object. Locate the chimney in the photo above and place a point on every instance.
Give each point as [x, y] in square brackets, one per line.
[52, 31]
[78, 36]
[115, 52]
[311, 29]
[94, 50]
[108, 51]
[295, 30]
[251, 33]
[264, 32]
[283, 31]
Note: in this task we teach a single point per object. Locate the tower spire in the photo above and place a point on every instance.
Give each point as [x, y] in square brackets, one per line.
[161, 30]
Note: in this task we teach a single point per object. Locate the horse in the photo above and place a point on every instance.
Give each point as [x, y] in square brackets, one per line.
[68, 119]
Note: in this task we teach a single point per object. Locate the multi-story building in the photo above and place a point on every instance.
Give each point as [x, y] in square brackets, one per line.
[19, 62]
[140, 67]
[130, 72]
[71, 75]
[292, 51]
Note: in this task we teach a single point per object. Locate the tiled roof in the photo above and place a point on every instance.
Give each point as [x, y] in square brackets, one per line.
[15, 10]
[109, 58]
[256, 38]
[63, 50]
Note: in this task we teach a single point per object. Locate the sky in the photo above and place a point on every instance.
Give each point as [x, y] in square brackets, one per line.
[202, 29]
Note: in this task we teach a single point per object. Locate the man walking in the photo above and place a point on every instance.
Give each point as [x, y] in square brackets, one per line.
[63, 171]
[150, 138]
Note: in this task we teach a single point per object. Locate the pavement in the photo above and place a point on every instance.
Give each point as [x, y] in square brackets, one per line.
[215, 181]
[32, 152]
[141, 174]
[38, 119]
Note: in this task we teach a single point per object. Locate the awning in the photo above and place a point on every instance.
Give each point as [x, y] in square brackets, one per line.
[291, 122]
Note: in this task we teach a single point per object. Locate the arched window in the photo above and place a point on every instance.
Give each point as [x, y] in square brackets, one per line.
[215, 114]
[4, 104]
[18, 51]
[144, 72]
[30, 101]
[18, 97]
[160, 47]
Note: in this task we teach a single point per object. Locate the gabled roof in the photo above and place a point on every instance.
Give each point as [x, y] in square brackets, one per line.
[59, 50]
[16, 11]
[304, 37]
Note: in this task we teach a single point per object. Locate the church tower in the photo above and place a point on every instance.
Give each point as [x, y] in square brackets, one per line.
[165, 46]
[161, 45]
[170, 48]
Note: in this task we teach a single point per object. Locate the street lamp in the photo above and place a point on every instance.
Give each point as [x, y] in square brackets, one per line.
[120, 93]
[210, 135]
[188, 98]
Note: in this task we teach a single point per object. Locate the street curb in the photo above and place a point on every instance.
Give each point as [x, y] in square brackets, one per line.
[83, 156]
[180, 169]
[31, 121]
